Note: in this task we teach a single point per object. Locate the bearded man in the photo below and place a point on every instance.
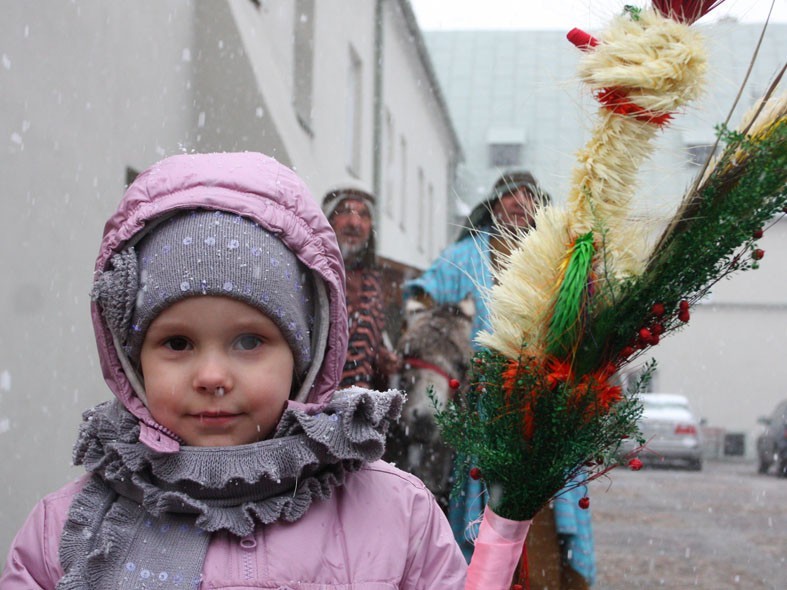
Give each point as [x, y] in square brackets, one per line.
[369, 363]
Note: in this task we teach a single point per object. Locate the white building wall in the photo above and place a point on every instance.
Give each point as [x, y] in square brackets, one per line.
[729, 360]
[413, 230]
[317, 152]
[345, 29]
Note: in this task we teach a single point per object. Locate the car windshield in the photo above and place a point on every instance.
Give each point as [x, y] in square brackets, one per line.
[666, 407]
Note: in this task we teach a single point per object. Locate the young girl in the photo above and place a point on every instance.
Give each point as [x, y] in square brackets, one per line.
[228, 459]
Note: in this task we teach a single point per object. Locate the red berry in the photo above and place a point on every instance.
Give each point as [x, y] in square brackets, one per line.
[475, 473]
[684, 315]
[658, 309]
[627, 352]
[654, 340]
[683, 304]
[758, 234]
[454, 383]
[657, 329]
[584, 503]
[635, 464]
[758, 254]
[645, 335]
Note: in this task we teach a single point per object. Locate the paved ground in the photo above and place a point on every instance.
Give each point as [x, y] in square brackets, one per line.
[723, 527]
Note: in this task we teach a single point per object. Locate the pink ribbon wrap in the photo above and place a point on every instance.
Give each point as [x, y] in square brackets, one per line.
[497, 551]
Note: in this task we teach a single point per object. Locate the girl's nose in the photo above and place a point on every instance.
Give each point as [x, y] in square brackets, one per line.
[213, 375]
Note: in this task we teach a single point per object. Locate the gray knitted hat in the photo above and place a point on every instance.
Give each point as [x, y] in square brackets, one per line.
[207, 253]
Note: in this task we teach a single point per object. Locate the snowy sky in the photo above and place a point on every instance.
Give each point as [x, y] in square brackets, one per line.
[563, 14]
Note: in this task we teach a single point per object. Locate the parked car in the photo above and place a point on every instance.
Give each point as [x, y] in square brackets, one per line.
[772, 442]
[671, 430]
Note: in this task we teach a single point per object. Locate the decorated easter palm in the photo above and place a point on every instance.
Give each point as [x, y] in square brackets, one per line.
[587, 292]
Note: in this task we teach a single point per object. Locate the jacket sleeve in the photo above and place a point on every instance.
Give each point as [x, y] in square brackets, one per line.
[497, 550]
[445, 281]
[32, 561]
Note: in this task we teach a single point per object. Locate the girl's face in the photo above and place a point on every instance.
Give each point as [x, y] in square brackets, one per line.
[217, 372]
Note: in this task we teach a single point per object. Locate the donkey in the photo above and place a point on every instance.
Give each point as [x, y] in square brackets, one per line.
[436, 349]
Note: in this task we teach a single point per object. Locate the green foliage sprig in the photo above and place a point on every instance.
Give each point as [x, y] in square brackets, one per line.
[487, 425]
[713, 238]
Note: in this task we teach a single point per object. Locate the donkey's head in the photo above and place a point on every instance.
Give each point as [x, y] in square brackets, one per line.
[436, 349]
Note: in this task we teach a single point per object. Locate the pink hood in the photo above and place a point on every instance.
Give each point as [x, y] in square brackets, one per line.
[248, 184]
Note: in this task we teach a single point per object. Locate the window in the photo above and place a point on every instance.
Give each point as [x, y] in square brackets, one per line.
[698, 144]
[131, 175]
[303, 57]
[698, 153]
[353, 114]
[505, 146]
[502, 155]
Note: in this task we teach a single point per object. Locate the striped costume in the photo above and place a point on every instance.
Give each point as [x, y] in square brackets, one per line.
[367, 324]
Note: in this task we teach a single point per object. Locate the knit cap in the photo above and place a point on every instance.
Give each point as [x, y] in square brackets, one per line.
[480, 218]
[510, 182]
[207, 253]
[334, 197]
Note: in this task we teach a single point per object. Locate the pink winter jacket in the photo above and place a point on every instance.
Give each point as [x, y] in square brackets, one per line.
[382, 529]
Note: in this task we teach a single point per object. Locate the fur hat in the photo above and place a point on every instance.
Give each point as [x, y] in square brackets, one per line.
[207, 253]
[510, 182]
[354, 190]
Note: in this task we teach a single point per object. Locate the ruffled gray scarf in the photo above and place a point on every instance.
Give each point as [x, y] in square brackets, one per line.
[143, 519]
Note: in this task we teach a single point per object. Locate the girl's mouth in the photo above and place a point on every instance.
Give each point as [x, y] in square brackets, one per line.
[216, 418]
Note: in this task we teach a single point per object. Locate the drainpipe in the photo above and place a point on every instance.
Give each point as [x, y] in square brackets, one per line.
[377, 106]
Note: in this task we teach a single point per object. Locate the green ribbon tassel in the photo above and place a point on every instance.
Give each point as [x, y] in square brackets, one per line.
[565, 326]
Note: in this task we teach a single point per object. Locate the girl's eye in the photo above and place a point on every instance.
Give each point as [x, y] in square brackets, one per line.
[248, 342]
[177, 343]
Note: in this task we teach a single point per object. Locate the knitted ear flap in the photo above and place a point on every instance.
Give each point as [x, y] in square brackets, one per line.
[115, 291]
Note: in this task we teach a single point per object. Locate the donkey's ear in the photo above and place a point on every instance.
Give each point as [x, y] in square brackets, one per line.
[413, 308]
[467, 305]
